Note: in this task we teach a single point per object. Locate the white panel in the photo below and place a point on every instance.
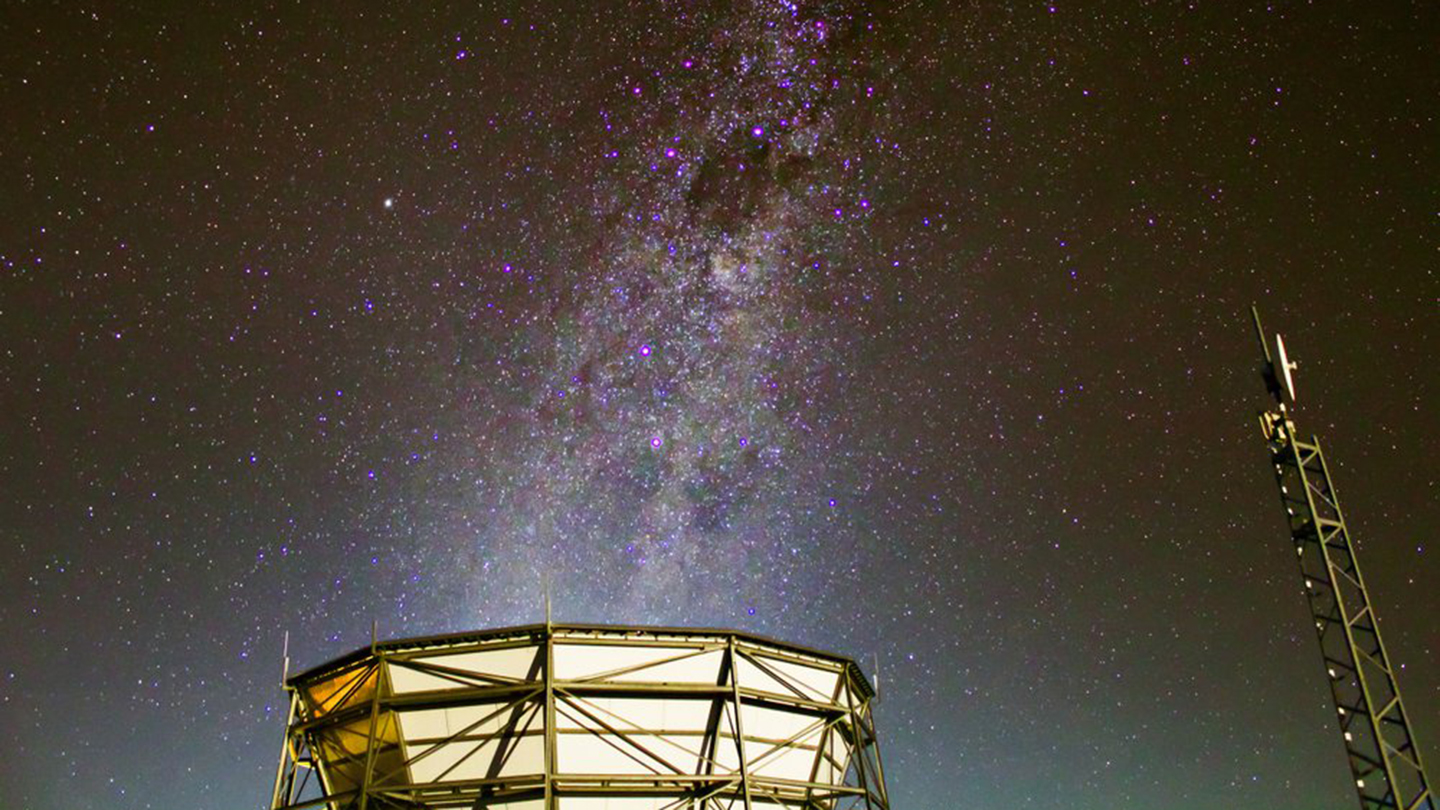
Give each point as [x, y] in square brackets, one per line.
[686, 715]
[435, 723]
[510, 662]
[632, 713]
[514, 663]
[579, 661]
[528, 757]
[473, 760]
[577, 713]
[404, 680]
[426, 724]
[752, 677]
[816, 682]
[725, 754]
[583, 751]
[433, 766]
[840, 752]
[812, 683]
[827, 774]
[790, 763]
[681, 749]
[697, 669]
[586, 753]
[526, 754]
[773, 724]
[616, 803]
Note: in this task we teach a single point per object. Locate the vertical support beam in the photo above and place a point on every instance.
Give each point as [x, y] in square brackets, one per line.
[710, 743]
[827, 737]
[371, 742]
[869, 709]
[551, 759]
[857, 727]
[287, 759]
[739, 722]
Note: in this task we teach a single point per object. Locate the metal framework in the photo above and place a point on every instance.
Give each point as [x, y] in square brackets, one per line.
[582, 716]
[1383, 756]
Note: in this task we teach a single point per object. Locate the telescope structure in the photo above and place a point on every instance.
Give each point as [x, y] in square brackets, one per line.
[588, 717]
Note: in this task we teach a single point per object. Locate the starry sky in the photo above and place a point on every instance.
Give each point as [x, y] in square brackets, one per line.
[915, 331]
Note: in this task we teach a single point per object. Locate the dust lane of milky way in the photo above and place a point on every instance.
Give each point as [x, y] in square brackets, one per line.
[653, 429]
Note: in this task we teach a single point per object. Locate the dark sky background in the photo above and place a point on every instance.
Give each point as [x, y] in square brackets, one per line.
[916, 331]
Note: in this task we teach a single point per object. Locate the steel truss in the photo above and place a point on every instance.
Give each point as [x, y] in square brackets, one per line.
[352, 738]
[1384, 759]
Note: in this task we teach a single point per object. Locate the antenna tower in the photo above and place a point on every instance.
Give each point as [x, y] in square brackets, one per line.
[1384, 760]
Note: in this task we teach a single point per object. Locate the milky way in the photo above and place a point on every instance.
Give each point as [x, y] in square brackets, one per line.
[669, 411]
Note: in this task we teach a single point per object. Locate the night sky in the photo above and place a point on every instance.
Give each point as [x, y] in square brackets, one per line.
[915, 331]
